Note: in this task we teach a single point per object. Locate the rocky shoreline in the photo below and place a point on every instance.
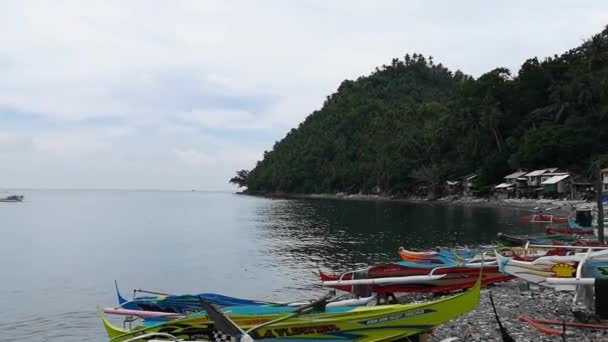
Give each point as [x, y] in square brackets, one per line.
[513, 299]
[557, 207]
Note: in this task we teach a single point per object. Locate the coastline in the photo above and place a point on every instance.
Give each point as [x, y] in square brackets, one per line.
[551, 206]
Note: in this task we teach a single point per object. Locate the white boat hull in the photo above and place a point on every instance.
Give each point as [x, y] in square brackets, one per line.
[550, 267]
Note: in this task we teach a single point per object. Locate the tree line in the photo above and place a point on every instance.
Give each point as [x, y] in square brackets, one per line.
[415, 122]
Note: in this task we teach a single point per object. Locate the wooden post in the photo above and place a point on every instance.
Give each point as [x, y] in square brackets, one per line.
[600, 205]
[571, 189]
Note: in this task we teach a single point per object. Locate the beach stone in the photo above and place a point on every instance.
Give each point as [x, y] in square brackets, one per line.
[481, 325]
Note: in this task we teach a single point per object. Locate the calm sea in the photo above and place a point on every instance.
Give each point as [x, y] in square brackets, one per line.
[60, 251]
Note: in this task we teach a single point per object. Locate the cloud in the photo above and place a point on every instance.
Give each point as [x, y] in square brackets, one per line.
[123, 91]
[219, 118]
[10, 141]
[194, 157]
[69, 145]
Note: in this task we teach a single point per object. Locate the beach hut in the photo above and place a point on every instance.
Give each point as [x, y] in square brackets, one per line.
[452, 187]
[504, 190]
[534, 180]
[519, 181]
[469, 184]
[556, 186]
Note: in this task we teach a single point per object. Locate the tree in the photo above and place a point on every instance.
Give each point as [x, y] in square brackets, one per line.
[240, 179]
[413, 121]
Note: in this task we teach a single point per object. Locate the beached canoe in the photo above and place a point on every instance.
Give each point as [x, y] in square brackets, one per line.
[568, 231]
[376, 323]
[522, 240]
[440, 257]
[411, 277]
[544, 218]
[541, 269]
[179, 304]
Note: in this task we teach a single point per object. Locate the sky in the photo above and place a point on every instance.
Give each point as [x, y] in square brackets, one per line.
[181, 94]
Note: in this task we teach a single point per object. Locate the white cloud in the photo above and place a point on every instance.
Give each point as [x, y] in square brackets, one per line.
[69, 145]
[219, 118]
[194, 157]
[132, 87]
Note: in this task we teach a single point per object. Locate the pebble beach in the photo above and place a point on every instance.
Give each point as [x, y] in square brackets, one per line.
[513, 299]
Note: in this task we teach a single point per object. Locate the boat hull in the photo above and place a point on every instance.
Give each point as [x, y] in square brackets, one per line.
[557, 239]
[542, 218]
[378, 323]
[456, 278]
[440, 257]
[568, 231]
[539, 270]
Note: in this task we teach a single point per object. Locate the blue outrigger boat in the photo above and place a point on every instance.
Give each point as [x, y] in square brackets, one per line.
[180, 304]
[162, 306]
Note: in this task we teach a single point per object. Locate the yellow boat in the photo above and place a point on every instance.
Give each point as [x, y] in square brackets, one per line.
[375, 323]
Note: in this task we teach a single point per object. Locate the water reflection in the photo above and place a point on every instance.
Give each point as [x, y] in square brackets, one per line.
[302, 235]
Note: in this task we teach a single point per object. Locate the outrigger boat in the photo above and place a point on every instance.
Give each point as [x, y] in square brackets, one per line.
[544, 270]
[441, 256]
[403, 277]
[167, 306]
[543, 218]
[555, 240]
[521, 240]
[313, 322]
[176, 304]
[541, 325]
[446, 257]
[568, 231]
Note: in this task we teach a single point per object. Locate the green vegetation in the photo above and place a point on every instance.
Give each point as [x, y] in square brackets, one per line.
[414, 122]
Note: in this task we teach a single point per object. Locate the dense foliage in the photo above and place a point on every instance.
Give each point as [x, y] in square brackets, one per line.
[415, 122]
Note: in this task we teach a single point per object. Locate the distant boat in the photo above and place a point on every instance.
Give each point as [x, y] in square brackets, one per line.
[13, 198]
[542, 218]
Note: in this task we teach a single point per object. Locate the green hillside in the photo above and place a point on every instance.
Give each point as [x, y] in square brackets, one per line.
[416, 122]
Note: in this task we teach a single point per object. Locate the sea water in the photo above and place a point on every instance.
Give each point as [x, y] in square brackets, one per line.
[60, 251]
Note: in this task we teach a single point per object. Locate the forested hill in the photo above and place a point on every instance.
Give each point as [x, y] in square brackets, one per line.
[416, 122]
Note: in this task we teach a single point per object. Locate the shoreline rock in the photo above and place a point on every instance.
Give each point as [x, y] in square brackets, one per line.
[558, 207]
[511, 302]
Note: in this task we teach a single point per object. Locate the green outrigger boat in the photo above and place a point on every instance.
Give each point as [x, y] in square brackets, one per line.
[375, 323]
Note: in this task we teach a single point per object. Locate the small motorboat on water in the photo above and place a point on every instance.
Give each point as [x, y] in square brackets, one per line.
[12, 198]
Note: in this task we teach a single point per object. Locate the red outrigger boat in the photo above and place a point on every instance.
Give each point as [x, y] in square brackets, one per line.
[568, 231]
[454, 277]
[542, 218]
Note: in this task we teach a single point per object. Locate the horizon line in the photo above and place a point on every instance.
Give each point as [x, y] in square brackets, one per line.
[113, 189]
